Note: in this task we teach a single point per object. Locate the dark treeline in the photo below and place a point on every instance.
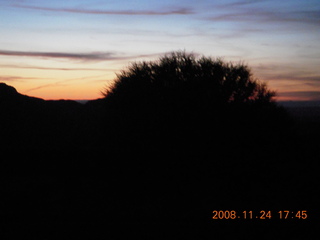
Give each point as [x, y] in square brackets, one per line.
[171, 141]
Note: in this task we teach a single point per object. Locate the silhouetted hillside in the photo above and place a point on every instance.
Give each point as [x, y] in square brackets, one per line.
[7, 92]
[32, 122]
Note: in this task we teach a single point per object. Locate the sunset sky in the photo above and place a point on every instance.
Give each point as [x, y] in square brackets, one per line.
[71, 49]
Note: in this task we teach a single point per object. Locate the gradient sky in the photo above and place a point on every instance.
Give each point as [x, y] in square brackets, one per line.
[71, 49]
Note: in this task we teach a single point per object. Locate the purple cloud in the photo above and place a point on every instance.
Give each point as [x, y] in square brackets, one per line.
[250, 11]
[95, 56]
[292, 76]
[303, 95]
[179, 11]
[77, 56]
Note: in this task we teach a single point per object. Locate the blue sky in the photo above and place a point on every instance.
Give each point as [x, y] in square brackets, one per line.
[72, 49]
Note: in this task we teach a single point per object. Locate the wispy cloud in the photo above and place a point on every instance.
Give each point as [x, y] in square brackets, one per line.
[253, 11]
[178, 11]
[14, 78]
[44, 86]
[242, 3]
[76, 56]
[259, 15]
[53, 68]
[294, 78]
[63, 82]
[94, 56]
[302, 95]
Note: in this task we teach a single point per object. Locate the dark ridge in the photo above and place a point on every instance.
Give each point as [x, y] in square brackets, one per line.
[9, 94]
[7, 91]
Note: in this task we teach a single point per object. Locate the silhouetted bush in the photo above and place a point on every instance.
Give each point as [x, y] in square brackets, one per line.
[187, 100]
[182, 74]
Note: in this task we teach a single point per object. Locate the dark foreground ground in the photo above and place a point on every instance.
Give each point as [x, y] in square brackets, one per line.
[65, 178]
